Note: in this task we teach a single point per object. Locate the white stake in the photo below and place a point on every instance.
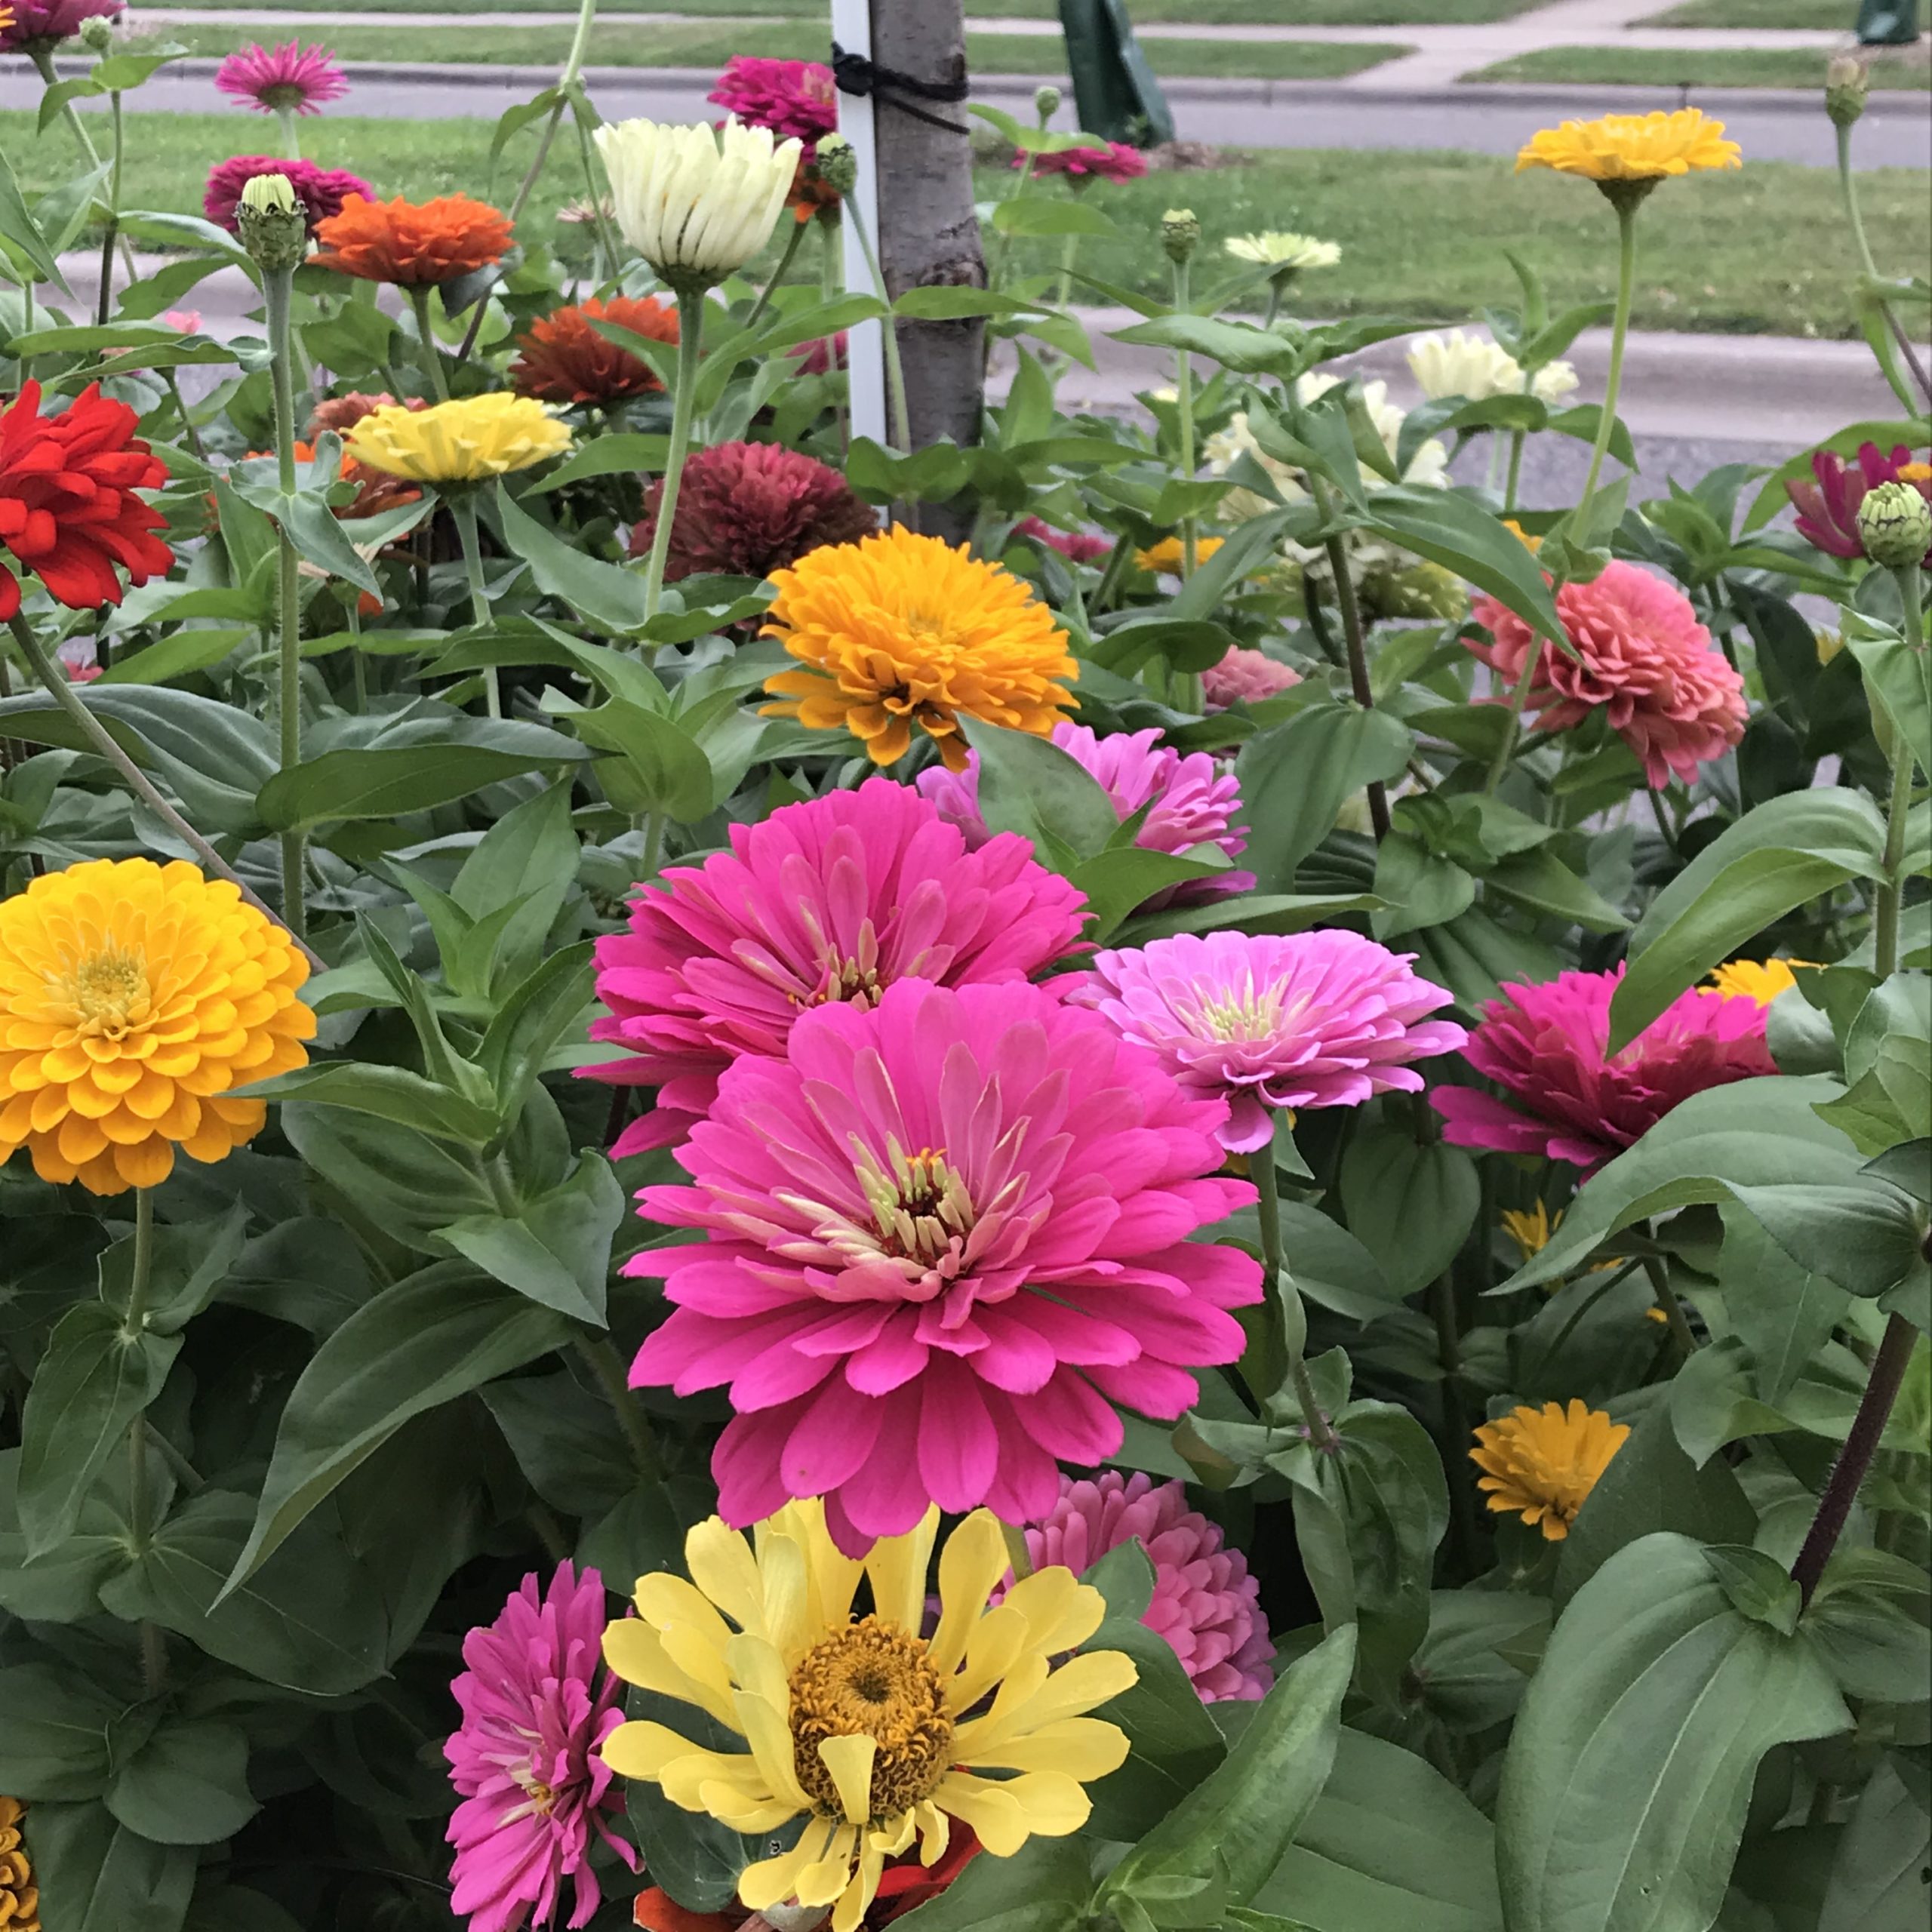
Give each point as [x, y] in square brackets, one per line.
[865, 352]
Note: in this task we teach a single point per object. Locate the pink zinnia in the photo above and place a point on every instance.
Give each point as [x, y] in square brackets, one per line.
[322, 191]
[1314, 1019]
[1245, 676]
[188, 321]
[1116, 161]
[1666, 689]
[36, 21]
[821, 355]
[1078, 545]
[1544, 1044]
[944, 1236]
[525, 1761]
[1205, 1603]
[832, 900]
[1193, 802]
[797, 99]
[285, 79]
[1827, 501]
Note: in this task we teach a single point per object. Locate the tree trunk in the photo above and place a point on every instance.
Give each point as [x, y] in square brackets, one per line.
[928, 235]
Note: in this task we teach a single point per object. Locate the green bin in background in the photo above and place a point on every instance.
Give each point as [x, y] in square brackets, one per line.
[1881, 23]
[1114, 88]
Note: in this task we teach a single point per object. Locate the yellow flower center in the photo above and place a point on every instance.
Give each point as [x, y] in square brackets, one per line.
[1254, 1012]
[920, 1205]
[1915, 472]
[855, 981]
[872, 1680]
[107, 991]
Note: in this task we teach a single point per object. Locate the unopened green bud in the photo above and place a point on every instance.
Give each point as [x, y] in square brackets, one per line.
[1895, 525]
[1847, 79]
[97, 34]
[273, 227]
[1046, 102]
[1180, 233]
[837, 163]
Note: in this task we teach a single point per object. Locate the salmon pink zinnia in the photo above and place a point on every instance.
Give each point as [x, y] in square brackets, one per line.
[944, 1235]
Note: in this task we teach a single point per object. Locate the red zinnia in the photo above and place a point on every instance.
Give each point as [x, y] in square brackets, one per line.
[68, 510]
[322, 191]
[564, 359]
[1827, 501]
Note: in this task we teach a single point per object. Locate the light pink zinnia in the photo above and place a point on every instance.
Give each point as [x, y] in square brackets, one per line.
[1080, 546]
[1667, 691]
[1193, 802]
[322, 191]
[831, 900]
[797, 99]
[1545, 1045]
[1116, 161]
[33, 21]
[525, 1761]
[1245, 675]
[944, 1236]
[278, 80]
[1205, 1603]
[1314, 1019]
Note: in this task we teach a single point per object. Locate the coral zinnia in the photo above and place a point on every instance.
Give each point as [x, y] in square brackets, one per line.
[1189, 800]
[834, 899]
[1245, 677]
[1632, 147]
[795, 99]
[133, 996]
[68, 510]
[1567, 1101]
[863, 1724]
[563, 359]
[44, 22]
[322, 191]
[1114, 161]
[525, 1761]
[1205, 1603]
[751, 508]
[463, 441]
[944, 1233]
[1827, 501]
[413, 243]
[20, 1897]
[1542, 1463]
[1664, 687]
[290, 78]
[901, 630]
[1314, 1019]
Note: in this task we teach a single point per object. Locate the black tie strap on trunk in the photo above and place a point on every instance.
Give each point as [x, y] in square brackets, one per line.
[853, 73]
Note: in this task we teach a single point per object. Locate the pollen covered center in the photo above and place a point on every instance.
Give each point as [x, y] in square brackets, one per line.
[920, 1208]
[107, 992]
[871, 1679]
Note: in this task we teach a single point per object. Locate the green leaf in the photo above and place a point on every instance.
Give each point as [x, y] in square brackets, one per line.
[56, 1742]
[386, 1092]
[605, 595]
[1294, 778]
[566, 1442]
[1043, 1887]
[19, 227]
[1877, 1879]
[187, 1785]
[1029, 786]
[1457, 533]
[1540, 880]
[63, 1587]
[405, 1181]
[1783, 1312]
[1240, 346]
[1901, 675]
[556, 1249]
[1032, 217]
[1865, 1236]
[1871, 1620]
[658, 766]
[1411, 1204]
[542, 1011]
[96, 1875]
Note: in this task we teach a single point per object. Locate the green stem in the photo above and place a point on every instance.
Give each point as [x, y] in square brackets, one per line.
[605, 1363]
[429, 349]
[1620, 329]
[140, 1528]
[1190, 525]
[1513, 481]
[1673, 1309]
[462, 514]
[42, 57]
[1069, 253]
[276, 285]
[1017, 1554]
[1891, 887]
[291, 138]
[1268, 1211]
[607, 242]
[1358, 645]
[1518, 696]
[112, 227]
[690, 331]
[996, 268]
[652, 829]
[1848, 187]
[895, 369]
[791, 245]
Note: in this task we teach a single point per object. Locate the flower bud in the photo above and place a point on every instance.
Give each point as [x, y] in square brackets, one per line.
[1846, 78]
[1895, 525]
[97, 34]
[271, 222]
[837, 164]
[1046, 102]
[1180, 234]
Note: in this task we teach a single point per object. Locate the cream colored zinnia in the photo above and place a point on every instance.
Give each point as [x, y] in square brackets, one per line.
[464, 442]
[1277, 249]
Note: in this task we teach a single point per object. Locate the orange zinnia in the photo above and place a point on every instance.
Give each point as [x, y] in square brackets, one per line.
[564, 359]
[414, 243]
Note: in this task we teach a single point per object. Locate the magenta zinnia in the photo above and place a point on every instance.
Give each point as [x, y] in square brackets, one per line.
[1114, 161]
[796, 100]
[1570, 1101]
[832, 900]
[1205, 1603]
[537, 1702]
[43, 22]
[944, 1236]
[1827, 500]
[1079, 546]
[1315, 1019]
[322, 191]
[290, 78]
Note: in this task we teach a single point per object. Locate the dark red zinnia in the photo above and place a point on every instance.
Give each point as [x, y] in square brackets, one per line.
[563, 358]
[322, 191]
[1827, 501]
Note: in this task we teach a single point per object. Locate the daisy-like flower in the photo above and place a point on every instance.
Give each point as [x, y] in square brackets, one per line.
[288, 79]
[466, 441]
[1619, 149]
[1313, 1020]
[797, 99]
[1827, 501]
[1531, 1228]
[1459, 363]
[1115, 162]
[1760, 980]
[1643, 660]
[322, 191]
[32, 24]
[525, 1761]
[1570, 1101]
[412, 244]
[19, 1896]
[833, 900]
[1168, 554]
[1279, 249]
[1541, 1464]
[1245, 676]
[133, 996]
[901, 630]
[562, 358]
[944, 1236]
[1205, 1602]
[878, 1736]
[1188, 799]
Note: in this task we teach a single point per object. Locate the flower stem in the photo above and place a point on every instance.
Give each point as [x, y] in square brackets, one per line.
[1017, 1554]
[1190, 525]
[1891, 887]
[276, 285]
[1674, 1316]
[1620, 329]
[604, 1362]
[291, 138]
[1268, 1211]
[895, 368]
[1518, 696]
[429, 350]
[1513, 481]
[41, 55]
[1848, 187]
[791, 245]
[690, 330]
[462, 514]
[1358, 647]
[111, 228]
[140, 1528]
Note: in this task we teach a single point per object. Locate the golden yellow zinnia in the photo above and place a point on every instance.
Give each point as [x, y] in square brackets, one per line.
[1531, 1228]
[899, 629]
[1761, 980]
[20, 1897]
[1168, 555]
[863, 1725]
[1542, 1463]
[1632, 147]
[133, 996]
[467, 440]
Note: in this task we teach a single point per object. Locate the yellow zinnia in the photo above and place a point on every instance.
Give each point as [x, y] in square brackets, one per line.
[1761, 980]
[1168, 555]
[464, 441]
[133, 996]
[1542, 1463]
[1632, 147]
[20, 1897]
[899, 629]
[862, 1726]
[1530, 1229]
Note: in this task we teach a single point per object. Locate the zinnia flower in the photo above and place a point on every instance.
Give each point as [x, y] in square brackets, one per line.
[1643, 659]
[1531, 1228]
[376, 490]
[1632, 147]
[1542, 1463]
[133, 996]
[797, 99]
[833, 900]
[1115, 161]
[1760, 980]
[901, 630]
[1314, 1019]
[1168, 553]
[563, 359]
[944, 1236]
[751, 508]
[1458, 364]
[1827, 503]
[864, 1725]
[20, 1897]
[463, 441]
[1190, 801]
[525, 1761]
[697, 205]
[291, 78]
[68, 509]
[342, 412]
[1276, 249]
[412, 244]
[187, 320]
[1545, 1045]
[43, 24]
[1205, 1603]
[1078, 546]
[322, 191]
[1244, 676]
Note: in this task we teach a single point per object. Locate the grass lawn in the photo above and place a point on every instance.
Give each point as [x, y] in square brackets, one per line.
[1826, 14]
[1230, 12]
[1644, 66]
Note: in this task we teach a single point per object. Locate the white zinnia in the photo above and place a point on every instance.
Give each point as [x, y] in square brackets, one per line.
[1464, 365]
[693, 202]
[1277, 250]
[1553, 381]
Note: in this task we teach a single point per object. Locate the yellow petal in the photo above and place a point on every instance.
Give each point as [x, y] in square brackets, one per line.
[1083, 1747]
[994, 1646]
[849, 1762]
[898, 1567]
[970, 1566]
[770, 1737]
[636, 1652]
[820, 1884]
[721, 1565]
[642, 1750]
[782, 1570]
[772, 1881]
[687, 1779]
[1061, 1612]
[741, 1811]
[991, 1810]
[1080, 1684]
